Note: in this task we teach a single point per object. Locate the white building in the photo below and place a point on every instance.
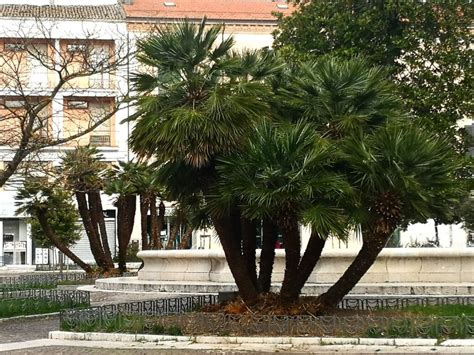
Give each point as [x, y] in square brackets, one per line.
[38, 40]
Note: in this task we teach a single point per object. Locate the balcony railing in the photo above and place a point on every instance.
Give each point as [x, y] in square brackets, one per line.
[11, 246]
[99, 140]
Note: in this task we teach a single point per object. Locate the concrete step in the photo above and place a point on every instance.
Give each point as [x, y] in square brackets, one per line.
[132, 284]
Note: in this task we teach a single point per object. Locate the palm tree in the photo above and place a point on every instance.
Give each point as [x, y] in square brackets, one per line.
[286, 174]
[342, 97]
[50, 205]
[121, 184]
[208, 101]
[149, 188]
[83, 170]
[352, 103]
[402, 174]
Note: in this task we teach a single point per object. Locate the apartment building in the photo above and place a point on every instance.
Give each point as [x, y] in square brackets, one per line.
[67, 60]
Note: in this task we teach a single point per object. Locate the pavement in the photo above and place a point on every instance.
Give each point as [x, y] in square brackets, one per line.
[22, 329]
[51, 346]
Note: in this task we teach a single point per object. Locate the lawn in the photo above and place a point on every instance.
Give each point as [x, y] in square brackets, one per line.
[28, 306]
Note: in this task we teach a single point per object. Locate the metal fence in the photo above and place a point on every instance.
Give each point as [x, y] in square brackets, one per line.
[61, 296]
[397, 302]
[46, 280]
[72, 318]
[162, 314]
[27, 302]
[344, 326]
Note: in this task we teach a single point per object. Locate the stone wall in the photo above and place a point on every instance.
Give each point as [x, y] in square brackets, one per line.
[393, 265]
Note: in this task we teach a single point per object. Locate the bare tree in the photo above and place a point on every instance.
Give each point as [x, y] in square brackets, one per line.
[57, 91]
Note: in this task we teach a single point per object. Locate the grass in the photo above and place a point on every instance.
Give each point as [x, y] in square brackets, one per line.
[445, 310]
[426, 320]
[124, 324]
[24, 307]
[410, 322]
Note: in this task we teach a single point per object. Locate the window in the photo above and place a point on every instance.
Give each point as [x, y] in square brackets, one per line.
[15, 47]
[101, 135]
[14, 103]
[76, 48]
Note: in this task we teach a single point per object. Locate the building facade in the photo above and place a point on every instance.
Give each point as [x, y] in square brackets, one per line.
[71, 61]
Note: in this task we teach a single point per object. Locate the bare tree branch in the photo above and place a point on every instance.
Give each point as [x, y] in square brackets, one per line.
[42, 76]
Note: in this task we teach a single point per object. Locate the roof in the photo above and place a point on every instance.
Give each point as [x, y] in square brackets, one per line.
[250, 10]
[100, 12]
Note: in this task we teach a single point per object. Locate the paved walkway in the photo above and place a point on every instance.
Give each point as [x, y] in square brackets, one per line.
[27, 329]
[48, 347]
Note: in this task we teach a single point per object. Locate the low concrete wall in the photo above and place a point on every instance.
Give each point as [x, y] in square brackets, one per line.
[392, 265]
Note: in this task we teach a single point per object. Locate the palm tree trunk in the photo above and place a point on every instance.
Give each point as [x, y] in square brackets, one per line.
[371, 248]
[186, 239]
[94, 241]
[95, 205]
[249, 245]
[225, 227]
[267, 256]
[308, 262]
[160, 222]
[173, 236]
[144, 205]
[292, 244]
[49, 232]
[155, 230]
[126, 206]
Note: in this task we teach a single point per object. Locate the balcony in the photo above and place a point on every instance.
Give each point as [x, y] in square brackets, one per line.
[99, 140]
[14, 246]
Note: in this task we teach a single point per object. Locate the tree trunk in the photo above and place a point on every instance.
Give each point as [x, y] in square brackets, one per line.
[95, 205]
[173, 236]
[226, 230]
[267, 255]
[186, 239]
[308, 262]
[249, 245]
[126, 206]
[144, 205]
[49, 232]
[94, 241]
[371, 248]
[155, 232]
[160, 222]
[436, 241]
[292, 244]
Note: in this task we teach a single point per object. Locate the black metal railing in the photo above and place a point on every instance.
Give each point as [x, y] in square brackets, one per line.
[397, 302]
[27, 302]
[169, 313]
[46, 280]
[79, 297]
